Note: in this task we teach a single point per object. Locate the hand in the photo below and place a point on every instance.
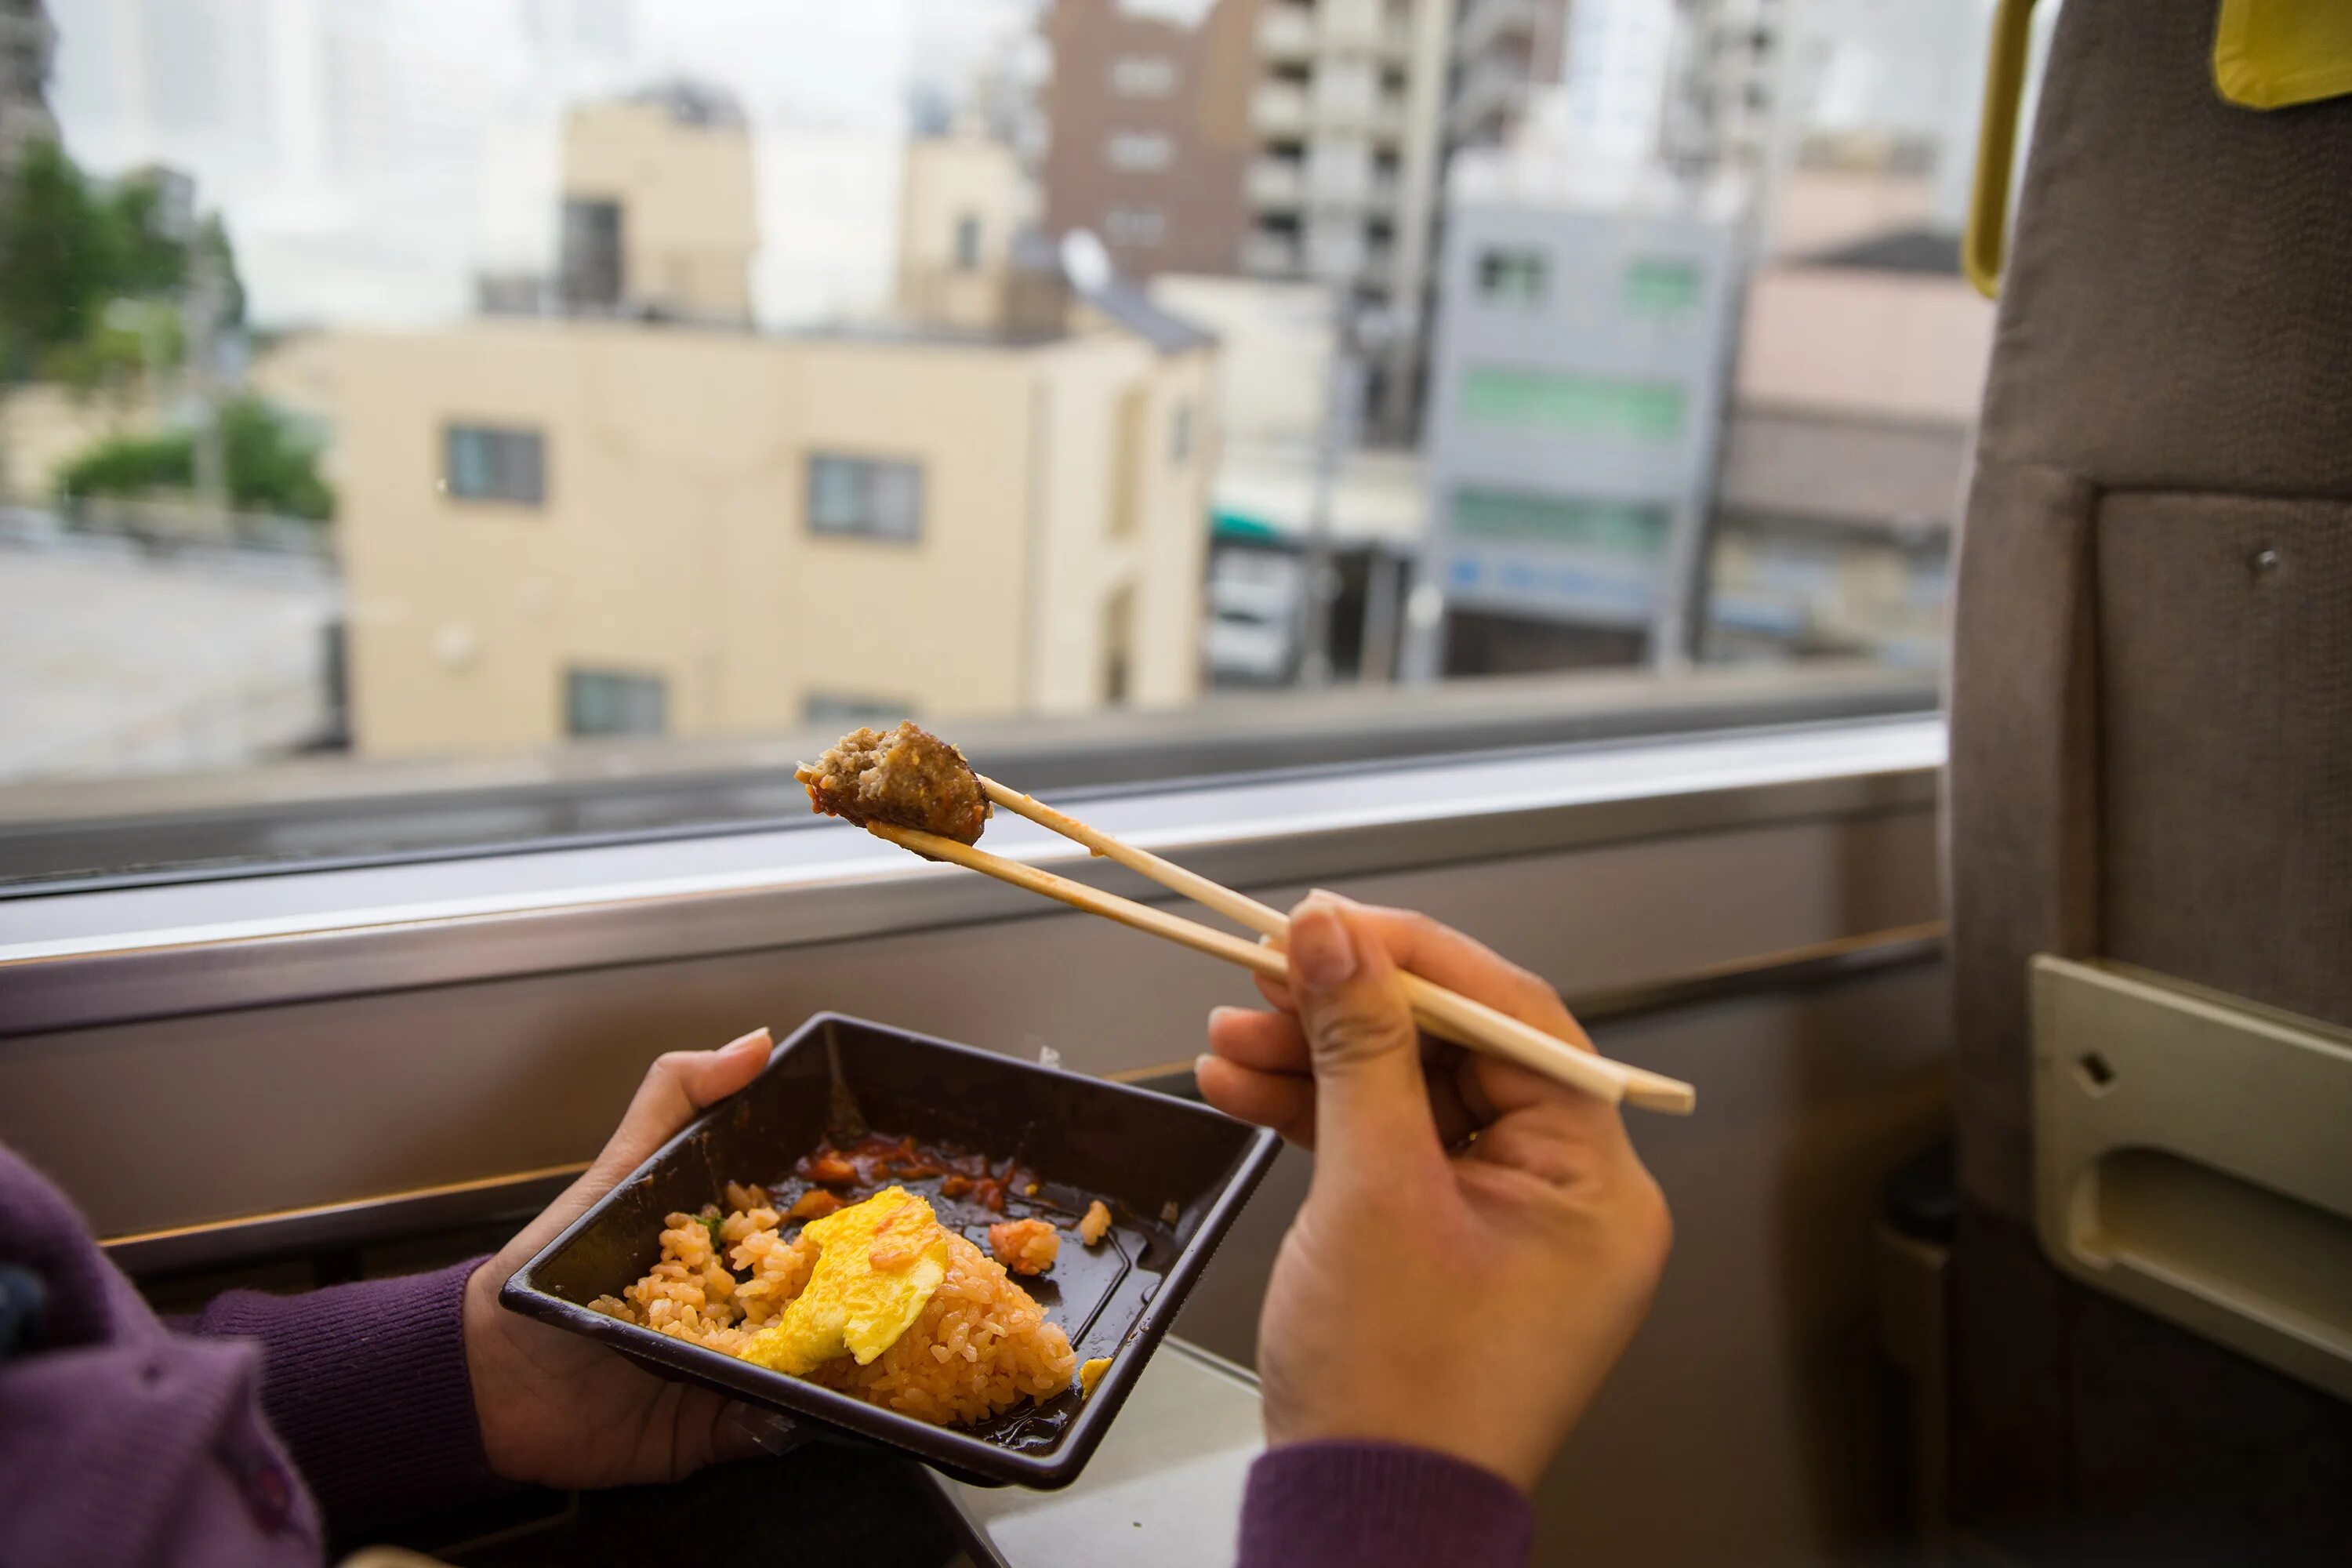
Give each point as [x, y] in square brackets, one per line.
[1469, 1302]
[562, 1411]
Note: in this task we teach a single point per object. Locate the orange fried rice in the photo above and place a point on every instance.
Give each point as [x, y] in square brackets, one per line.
[981, 1346]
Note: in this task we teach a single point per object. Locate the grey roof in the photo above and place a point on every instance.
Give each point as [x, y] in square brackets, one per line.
[1926, 250]
[1136, 310]
[1119, 299]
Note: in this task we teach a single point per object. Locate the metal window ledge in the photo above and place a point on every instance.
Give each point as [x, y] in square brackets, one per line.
[106, 956]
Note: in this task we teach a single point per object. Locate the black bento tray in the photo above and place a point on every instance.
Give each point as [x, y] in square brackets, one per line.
[1144, 1154]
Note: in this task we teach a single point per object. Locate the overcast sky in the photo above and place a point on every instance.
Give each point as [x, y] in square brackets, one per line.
[373, 155]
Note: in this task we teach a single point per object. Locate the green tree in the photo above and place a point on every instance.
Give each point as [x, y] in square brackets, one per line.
[71, 248]
[273, 466]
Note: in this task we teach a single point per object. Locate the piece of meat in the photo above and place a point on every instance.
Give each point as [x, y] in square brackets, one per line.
[907, 778]
[1024, 1246]
[1096, 1224]
[813, 1203]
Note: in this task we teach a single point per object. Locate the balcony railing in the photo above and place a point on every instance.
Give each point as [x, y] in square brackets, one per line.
[1270, 255]
[1279, 109]
[1287, 33]
[1276, 182]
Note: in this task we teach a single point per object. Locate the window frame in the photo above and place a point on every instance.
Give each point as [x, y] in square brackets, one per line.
[873, 466]
[452, 430]
[625, 685]
[141, 836]
[119, 956]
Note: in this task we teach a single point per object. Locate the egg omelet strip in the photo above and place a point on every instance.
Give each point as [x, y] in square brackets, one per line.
[878, 1264]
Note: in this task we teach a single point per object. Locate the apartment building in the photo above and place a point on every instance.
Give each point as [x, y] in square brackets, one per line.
[1576, 395]
[1288, 139]
[570, 528]
[1149, 133]
[1860, 368]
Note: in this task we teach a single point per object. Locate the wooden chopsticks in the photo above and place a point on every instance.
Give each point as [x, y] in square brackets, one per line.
[1441, 1012]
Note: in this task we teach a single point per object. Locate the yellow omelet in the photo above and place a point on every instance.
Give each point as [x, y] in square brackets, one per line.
[879, 1263]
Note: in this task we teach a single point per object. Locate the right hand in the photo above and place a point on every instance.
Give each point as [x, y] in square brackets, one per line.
[1478, 1244]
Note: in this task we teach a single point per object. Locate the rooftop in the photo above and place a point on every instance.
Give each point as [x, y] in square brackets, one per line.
[1929, 251]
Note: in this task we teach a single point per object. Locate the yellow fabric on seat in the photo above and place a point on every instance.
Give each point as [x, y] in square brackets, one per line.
[2274, 53]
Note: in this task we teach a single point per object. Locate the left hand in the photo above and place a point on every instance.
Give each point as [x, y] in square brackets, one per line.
[559, 1410]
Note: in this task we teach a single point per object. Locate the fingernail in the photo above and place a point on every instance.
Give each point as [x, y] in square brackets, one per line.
[1320, 948]
[1223, 1011]
[1203, 1059]
[756, 1040]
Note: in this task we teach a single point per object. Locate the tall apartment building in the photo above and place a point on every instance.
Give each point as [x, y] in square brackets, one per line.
[1148, 129]
[601, 524]
[27, 43]
[1723, 85]
[1288, 140]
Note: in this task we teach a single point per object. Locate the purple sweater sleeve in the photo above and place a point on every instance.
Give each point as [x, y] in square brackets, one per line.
[367, 1386]
[1380, 1505]
[124, 1443]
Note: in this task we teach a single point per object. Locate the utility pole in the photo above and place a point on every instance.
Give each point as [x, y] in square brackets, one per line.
[200, 324]
[1358, 333]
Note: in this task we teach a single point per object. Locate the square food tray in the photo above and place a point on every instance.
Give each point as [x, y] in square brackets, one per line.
[1146, 1155]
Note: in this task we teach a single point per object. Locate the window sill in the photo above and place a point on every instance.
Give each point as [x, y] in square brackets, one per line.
[114, 956]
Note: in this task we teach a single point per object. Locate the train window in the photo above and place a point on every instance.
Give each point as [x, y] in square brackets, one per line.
[777, 287]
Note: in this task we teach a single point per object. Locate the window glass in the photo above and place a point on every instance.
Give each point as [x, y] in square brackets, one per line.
[485, 463]
[1140, 150]
[875, 497]
[1609, 528]
[833, 711]
[1662, 289]
[1143, 76]
[604, 702]
[1586, 405]
[1134, 226]
[880, 344]
[1511, 277]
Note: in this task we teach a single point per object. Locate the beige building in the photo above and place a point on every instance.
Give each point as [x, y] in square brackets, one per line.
[658, 206]
[963, 201]
[559, 528]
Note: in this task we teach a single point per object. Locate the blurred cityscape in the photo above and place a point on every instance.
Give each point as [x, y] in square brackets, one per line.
[465, 376]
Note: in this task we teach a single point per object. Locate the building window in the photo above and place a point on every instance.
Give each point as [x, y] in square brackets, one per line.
[1589, 527]
[1134, 226]
[1119, 645]
[592, 277]
[1180, 434]
[1574, 404]
[865, 497]
[607, 703]
[967, 243]
[1511, 277]
[836, 712]
[1143, 76]
[1140, 150]
[488, 462]
[1662, 289]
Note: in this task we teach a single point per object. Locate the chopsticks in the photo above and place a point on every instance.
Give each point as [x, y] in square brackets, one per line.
[1441, 1012]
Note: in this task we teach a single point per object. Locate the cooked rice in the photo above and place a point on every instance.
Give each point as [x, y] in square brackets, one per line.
[1096, 1224]
[981, 1345]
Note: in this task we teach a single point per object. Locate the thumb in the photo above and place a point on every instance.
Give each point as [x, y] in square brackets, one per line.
[1371, 1104]
[679, 1085]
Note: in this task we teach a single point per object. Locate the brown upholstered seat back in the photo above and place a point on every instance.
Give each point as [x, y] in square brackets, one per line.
[2152, 683]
